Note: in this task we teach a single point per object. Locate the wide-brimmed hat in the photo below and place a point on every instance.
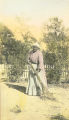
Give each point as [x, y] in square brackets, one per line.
[36, 44]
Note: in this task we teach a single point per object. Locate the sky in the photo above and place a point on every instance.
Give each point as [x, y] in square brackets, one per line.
[35, 11]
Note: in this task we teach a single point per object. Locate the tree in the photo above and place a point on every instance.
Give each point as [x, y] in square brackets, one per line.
[14, 51]
[54, 35]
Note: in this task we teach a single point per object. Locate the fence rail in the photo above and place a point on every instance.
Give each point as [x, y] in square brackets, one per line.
[64, 74]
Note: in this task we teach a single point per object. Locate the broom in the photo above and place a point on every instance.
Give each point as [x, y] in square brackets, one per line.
[45, 93]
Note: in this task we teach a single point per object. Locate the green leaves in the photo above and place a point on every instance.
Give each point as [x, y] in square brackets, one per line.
[55, 36]
[15, 52]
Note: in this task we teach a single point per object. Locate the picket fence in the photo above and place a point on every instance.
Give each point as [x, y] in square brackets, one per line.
[64, 74]
[4, 69]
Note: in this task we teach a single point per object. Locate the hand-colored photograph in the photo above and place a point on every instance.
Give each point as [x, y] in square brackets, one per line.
[34, 59]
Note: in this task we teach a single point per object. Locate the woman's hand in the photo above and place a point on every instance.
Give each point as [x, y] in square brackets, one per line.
[38, 69]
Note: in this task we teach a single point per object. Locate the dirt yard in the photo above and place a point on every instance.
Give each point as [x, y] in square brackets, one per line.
[32, 107]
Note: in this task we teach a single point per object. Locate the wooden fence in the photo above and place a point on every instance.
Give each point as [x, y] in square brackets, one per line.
[26, 71]
[64, 75]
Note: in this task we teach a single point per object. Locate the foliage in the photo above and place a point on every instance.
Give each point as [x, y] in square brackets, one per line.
[15, 52]
[54, 35]
[49, 58]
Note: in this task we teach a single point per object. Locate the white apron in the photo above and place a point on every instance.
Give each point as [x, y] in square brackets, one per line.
[34, 87]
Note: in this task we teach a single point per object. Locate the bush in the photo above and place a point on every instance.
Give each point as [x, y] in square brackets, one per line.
[53, 74]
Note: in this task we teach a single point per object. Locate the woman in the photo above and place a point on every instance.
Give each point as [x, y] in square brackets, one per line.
[36, 59]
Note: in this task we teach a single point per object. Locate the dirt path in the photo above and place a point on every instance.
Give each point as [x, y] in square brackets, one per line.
[32, 108]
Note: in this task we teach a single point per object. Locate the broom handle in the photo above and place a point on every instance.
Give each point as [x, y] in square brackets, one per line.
[45, 92]
[38, 77]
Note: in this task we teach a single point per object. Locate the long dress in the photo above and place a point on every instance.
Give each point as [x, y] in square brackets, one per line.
[34, 87]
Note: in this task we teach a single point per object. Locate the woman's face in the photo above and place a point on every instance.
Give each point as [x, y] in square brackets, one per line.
[35, 48]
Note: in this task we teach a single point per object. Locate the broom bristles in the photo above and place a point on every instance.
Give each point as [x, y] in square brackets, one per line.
[45, 93]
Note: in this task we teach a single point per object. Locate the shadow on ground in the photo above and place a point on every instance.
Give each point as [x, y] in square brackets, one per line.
[20, 88]
[17, 87]
[58, 117]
